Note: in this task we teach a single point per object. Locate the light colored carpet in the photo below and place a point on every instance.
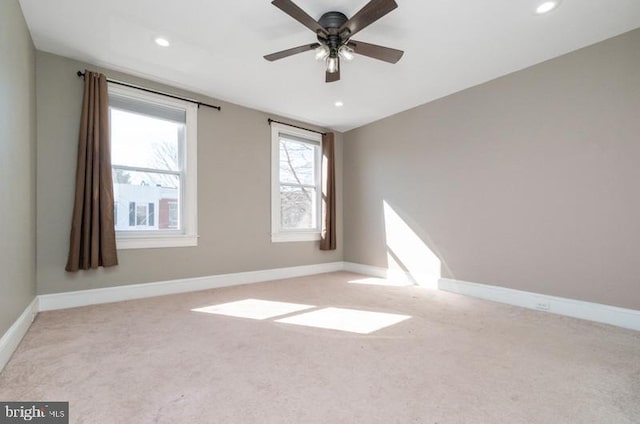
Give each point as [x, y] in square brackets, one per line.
[455, 360]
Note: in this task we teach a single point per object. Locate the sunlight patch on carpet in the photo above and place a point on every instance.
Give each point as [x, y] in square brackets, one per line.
[351, 320]
[254, 308]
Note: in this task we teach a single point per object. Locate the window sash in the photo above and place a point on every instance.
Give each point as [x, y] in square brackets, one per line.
[316, 148]
[280, 133]
[180, 173]
[181, 142]
[133, 226]
[311, 202]
[182, 112]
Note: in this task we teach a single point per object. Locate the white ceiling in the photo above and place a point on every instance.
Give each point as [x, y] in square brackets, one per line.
[217, 48]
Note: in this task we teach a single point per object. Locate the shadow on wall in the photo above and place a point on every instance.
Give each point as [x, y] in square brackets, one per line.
[408, 256]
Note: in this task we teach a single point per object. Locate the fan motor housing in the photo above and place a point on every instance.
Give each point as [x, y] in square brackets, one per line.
[332, 20]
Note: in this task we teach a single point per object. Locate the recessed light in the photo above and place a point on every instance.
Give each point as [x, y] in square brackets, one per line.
[546, 7]
[338, 103]
[162, 42]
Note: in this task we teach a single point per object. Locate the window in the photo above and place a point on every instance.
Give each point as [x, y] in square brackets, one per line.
[153, 159]
[141, 215]
[173, 215]
[295, 177]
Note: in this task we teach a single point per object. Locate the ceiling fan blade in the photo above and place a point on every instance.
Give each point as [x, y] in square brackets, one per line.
[386, 54]
[290, 52]
[370, 13]
[333, 76]
[291, 9]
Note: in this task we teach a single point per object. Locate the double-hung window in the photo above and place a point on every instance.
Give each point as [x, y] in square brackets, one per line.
[295, 184]
[153, 159]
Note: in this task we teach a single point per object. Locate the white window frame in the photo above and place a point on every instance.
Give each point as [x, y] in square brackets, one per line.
[188, 235]
[279, 234]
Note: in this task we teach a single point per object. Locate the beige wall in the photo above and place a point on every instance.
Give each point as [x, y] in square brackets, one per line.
[233, 193]
[530, 181]
[17, 164]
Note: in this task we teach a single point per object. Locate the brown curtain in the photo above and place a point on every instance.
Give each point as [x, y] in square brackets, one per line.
[328, 231]
[93, 238]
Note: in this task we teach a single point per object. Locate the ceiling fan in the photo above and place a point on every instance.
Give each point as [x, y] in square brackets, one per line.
[334, 31]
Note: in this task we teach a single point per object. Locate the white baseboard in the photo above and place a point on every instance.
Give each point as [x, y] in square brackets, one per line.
[11, 339]
[49, 302]
[613, 315]
[370, 270]
[397, 276]
[621, 317]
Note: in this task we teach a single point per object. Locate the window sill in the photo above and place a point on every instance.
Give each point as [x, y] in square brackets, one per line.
[290, 237]
[124, 243]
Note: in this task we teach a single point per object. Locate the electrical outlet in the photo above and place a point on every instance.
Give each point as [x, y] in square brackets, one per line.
[542, 305]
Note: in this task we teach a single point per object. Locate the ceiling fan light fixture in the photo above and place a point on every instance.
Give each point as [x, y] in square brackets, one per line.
[322, 52]
[346, 52]
[332, 65]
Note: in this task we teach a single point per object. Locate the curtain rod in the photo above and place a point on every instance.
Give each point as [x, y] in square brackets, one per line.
[148, 90]
[294, 126]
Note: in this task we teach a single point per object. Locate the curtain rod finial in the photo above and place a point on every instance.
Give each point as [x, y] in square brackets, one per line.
[80, 73]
